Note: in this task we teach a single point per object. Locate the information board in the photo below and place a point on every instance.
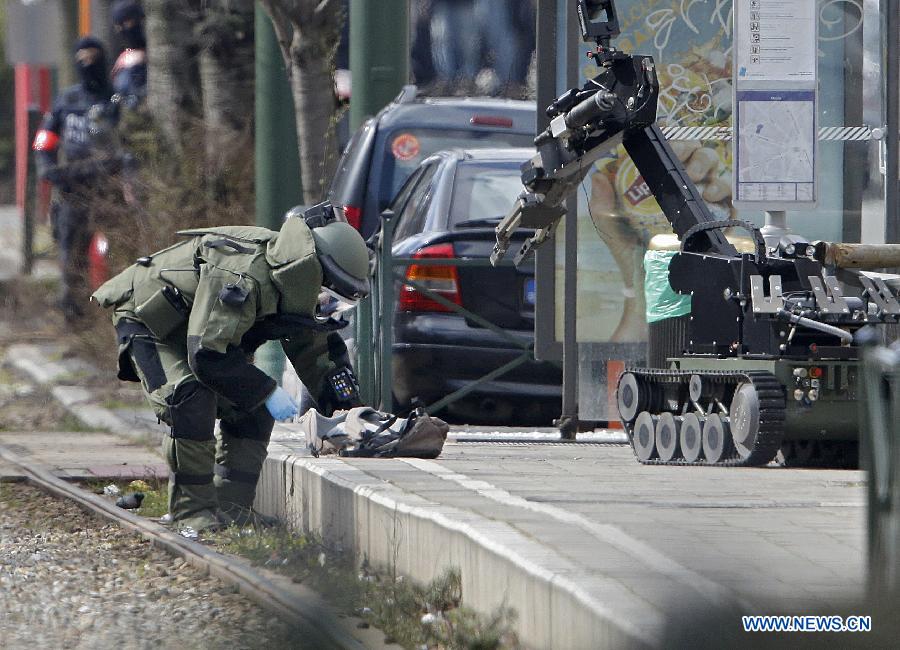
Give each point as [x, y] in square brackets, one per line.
[775, 40]
[775, 150]
[775, 142]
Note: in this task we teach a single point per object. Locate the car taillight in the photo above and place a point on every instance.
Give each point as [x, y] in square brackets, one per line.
[492, 120]
[353, 215]
[443, 280]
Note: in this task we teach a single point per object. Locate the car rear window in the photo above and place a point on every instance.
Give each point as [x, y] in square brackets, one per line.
[404, 149]
[350, 168]
[484, 190]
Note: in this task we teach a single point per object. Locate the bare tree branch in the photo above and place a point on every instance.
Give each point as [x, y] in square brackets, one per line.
[281, 22]
[326, 7]
[308, 32]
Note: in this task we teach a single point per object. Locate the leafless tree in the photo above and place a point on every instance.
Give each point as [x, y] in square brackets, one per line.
[174, 79]
[225, 36]
[308, 32]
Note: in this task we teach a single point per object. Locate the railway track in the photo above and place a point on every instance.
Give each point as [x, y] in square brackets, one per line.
[322, 627]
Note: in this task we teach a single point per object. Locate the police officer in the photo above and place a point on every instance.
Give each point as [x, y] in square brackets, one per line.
[188, 320]
[77, 126]
[129, 74]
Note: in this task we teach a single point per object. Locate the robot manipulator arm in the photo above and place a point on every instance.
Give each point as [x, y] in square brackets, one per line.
[530, 211]
[566, 154]
[585, 123]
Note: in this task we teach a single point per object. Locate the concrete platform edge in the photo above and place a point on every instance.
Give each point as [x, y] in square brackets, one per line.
[420, 539]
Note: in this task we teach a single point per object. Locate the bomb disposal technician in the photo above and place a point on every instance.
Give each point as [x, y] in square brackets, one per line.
[188, 320]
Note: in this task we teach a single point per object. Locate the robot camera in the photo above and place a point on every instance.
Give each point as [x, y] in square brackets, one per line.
[599, 21]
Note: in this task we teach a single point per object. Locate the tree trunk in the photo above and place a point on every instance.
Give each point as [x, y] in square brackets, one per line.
[308, 33]
[312, 85]
[173, 79]
[225, 35]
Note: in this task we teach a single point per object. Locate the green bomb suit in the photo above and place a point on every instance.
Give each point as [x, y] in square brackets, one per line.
[188, 320]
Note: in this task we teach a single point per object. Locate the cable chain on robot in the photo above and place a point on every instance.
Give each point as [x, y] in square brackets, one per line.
[771, 412]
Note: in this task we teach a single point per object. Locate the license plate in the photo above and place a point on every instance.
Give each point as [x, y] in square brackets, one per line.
[530, 292]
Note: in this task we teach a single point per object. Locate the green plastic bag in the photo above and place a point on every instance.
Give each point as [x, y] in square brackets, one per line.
[662, 301]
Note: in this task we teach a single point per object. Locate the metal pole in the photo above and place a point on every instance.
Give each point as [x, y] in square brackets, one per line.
[277, 165]
[84, 17]
[568, 420]
[546, 52]
[545, 343]
[892, 122]
[32, 198]
[386, 314]
[379, 64]
[776, 227]
[379, 54]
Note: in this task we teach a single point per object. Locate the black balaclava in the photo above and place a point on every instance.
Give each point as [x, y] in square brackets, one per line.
[133, 37]
[93, 76]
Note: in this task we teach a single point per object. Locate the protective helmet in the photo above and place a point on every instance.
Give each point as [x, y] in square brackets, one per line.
[344, 257]
[123, 10]
[93, 72]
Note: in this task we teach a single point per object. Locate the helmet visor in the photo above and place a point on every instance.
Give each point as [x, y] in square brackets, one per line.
[331, 303]
[345, 285]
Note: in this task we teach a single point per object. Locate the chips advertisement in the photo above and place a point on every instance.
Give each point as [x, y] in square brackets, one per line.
[691, 42]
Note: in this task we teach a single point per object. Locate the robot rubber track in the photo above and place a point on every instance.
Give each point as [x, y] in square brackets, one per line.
[666, 410]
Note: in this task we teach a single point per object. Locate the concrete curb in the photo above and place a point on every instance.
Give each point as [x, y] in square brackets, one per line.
[500, 566]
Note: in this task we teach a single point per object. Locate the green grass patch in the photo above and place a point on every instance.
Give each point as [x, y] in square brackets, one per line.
[117, 404]
[155, 491]
[9, 497]
[6, 377]
[409, 614]
[68, 422]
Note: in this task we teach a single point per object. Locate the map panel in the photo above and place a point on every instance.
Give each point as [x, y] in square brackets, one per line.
[775, 153]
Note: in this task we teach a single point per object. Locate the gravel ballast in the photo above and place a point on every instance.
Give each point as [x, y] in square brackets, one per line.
[72, 580]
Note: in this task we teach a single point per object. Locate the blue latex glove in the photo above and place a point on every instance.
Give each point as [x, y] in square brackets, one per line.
[280, 404]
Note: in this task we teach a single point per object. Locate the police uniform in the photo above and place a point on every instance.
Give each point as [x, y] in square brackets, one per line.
[188, 320]
[129, 73]
[79, 114]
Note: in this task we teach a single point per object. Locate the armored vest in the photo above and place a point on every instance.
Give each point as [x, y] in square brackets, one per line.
[255, 273]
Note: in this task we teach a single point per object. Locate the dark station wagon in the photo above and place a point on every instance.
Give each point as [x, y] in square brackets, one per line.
[389, 147]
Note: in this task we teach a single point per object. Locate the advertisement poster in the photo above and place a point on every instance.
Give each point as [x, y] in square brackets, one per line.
[618, 216]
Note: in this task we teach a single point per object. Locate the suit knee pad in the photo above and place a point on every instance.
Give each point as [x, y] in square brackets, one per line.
[256, 425]
[192, 412]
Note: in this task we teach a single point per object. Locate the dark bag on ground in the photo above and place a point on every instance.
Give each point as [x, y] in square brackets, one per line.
[365, 432]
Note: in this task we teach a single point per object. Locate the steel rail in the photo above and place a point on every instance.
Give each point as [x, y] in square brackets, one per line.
[322, 628]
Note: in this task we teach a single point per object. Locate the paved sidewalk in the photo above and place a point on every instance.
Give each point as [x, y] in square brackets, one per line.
[11, 227]
[115, 445]
[11, 248]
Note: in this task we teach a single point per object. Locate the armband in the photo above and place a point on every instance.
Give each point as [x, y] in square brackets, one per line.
[45, 140]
